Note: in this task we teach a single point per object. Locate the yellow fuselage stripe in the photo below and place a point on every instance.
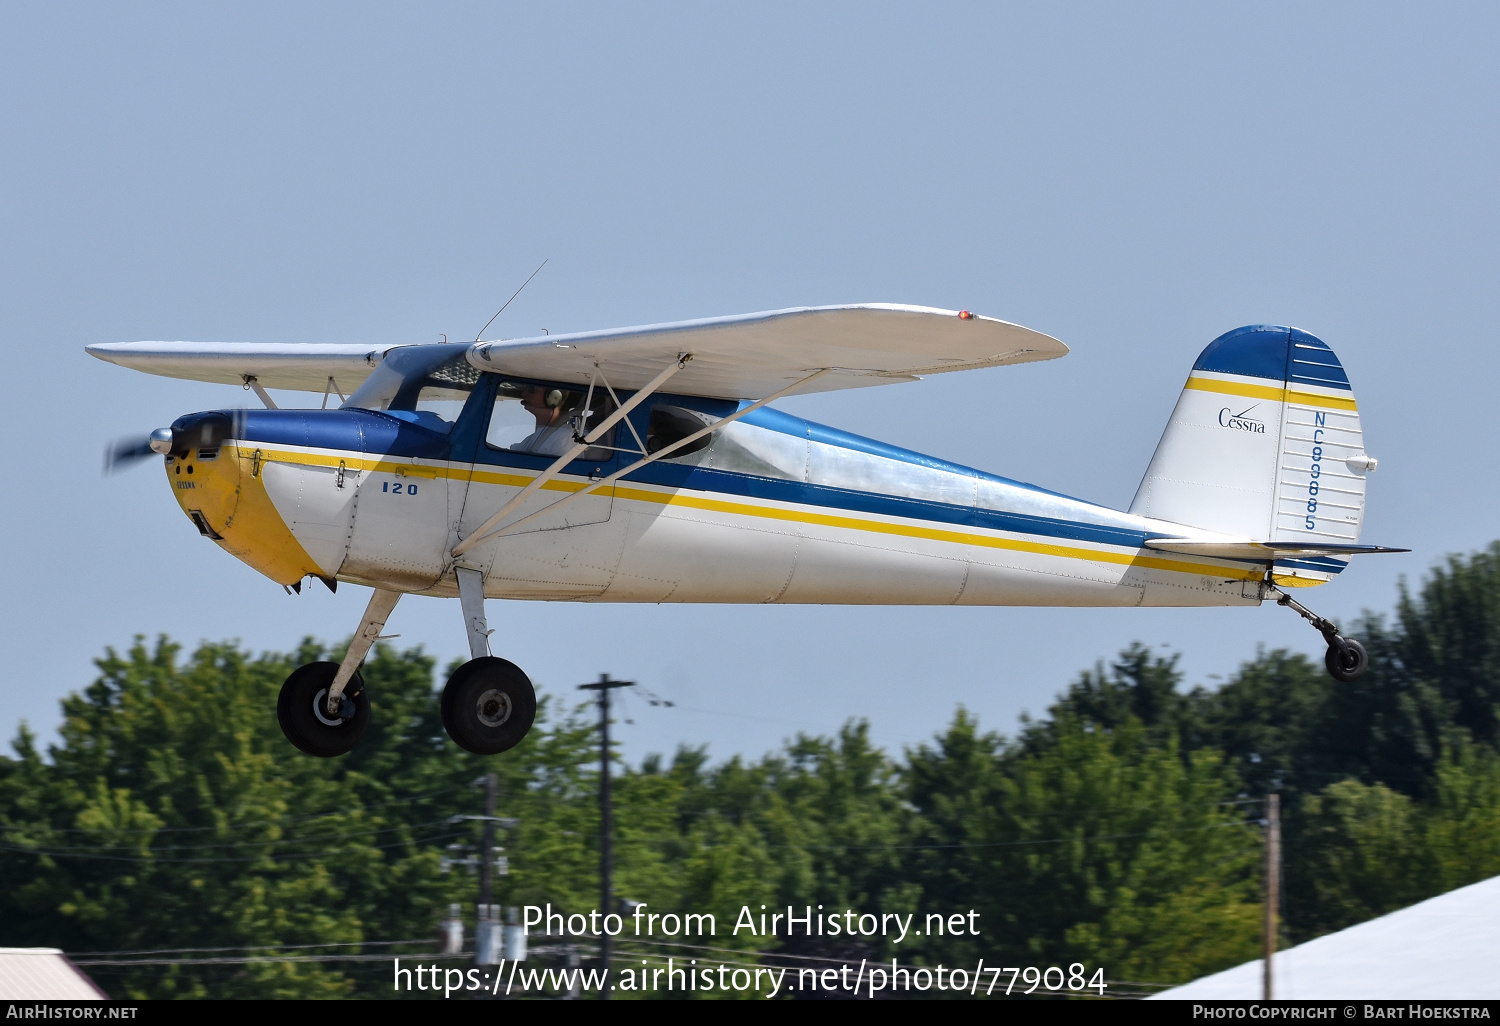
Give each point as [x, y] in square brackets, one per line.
[804, 516]
[936, 534]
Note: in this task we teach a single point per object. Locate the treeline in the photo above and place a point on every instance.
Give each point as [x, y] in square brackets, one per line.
[1121, 829]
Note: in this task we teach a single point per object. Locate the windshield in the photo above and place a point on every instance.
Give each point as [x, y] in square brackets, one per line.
[422, 385]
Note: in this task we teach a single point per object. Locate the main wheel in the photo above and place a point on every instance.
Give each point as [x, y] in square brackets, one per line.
[301, 710]
[488, 705]
[1348, 663]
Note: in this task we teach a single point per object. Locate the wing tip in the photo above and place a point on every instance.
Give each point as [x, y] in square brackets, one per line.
[109, 352]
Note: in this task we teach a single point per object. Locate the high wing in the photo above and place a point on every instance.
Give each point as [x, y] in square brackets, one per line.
[749, 356]
[298, 367]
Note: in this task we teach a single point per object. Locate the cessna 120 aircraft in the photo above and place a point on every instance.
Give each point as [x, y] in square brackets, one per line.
[645, 465]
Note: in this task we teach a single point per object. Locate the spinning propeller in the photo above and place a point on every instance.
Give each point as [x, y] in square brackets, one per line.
[130, 450]
[195, 431]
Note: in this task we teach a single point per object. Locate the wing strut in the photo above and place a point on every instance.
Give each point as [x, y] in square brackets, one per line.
[489, 531]
[252, 382]
[552, 471]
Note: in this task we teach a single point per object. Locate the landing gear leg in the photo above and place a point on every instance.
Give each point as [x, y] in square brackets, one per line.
[323, 708]
[471, 598]
[1346, 659]
[488, 704]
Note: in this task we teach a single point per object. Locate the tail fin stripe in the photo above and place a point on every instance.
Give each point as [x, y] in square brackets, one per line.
[1307, 373]
[1272, 392]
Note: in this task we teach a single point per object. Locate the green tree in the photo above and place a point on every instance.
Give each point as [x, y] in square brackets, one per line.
[1101, 843]
[1357, 855]
[1461, 824]
[1449, 638]
[173, 815]
[1140, 686]
[1260, 719]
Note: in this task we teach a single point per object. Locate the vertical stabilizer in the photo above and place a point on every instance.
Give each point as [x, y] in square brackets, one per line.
[1264, 444]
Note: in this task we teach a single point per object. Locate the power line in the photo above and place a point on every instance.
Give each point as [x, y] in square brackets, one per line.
[249, 959]
[268, 856]
[997, 844]
[1071, 811]
[348, 810]
[250, 947]
[373, 831]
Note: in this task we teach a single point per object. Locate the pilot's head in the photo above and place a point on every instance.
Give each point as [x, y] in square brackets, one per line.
[545, 404]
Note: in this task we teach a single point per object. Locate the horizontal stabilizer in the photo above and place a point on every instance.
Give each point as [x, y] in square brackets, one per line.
[1260, 551]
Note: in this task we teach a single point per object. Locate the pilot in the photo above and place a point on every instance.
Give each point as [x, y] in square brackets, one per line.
[554, 433]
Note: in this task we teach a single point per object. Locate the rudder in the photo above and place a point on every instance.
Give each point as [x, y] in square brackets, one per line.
[1264, 444]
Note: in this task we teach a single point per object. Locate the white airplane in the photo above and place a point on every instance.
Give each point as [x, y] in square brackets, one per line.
[645, 465]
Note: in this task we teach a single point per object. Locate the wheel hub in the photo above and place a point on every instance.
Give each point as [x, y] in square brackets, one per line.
[493, 707]
[320, 706]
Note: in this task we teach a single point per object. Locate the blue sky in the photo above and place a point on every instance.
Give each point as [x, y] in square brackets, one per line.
[1132, 179]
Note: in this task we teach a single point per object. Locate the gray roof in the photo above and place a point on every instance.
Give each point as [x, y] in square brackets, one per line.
[1443, 948]
[43, 974]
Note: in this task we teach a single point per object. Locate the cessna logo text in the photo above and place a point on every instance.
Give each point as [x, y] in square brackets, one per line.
[1239, 422]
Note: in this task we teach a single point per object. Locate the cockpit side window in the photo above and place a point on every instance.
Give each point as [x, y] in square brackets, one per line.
[546, 420]
[425, 386]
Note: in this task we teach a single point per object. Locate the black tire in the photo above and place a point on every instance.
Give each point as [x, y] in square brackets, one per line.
[303, 720]
[488, 706]
[1348, 664]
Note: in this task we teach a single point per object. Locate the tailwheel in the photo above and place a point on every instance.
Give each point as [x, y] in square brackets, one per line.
[1346, 659]
[301, 709]
[488, 705]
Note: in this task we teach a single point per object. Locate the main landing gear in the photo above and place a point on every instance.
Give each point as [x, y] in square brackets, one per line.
[324, 708]
[1346, 659]
[302, 711]
[488, 704]
[487, 707]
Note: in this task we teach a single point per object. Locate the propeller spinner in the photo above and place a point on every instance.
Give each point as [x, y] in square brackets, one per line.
[130, 450]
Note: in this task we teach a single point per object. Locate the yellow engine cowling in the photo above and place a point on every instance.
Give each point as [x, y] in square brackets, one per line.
[221, 491]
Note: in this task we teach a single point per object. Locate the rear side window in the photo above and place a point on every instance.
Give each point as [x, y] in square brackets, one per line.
[669, 424]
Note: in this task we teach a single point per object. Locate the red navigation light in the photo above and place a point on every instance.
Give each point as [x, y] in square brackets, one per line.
[964, 315]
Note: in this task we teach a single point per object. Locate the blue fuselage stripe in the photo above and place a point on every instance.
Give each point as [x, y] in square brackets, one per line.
[873, 504]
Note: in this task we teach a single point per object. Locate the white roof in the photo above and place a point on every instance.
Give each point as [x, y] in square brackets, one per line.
[748, 356]
[1444, 948]
[43, 974]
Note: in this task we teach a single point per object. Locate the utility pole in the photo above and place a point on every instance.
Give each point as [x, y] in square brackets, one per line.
[1273, 887]
[491, 785]
[606, 816]
[487, 919]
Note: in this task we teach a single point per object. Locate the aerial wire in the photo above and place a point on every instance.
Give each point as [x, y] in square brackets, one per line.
[512, 298]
